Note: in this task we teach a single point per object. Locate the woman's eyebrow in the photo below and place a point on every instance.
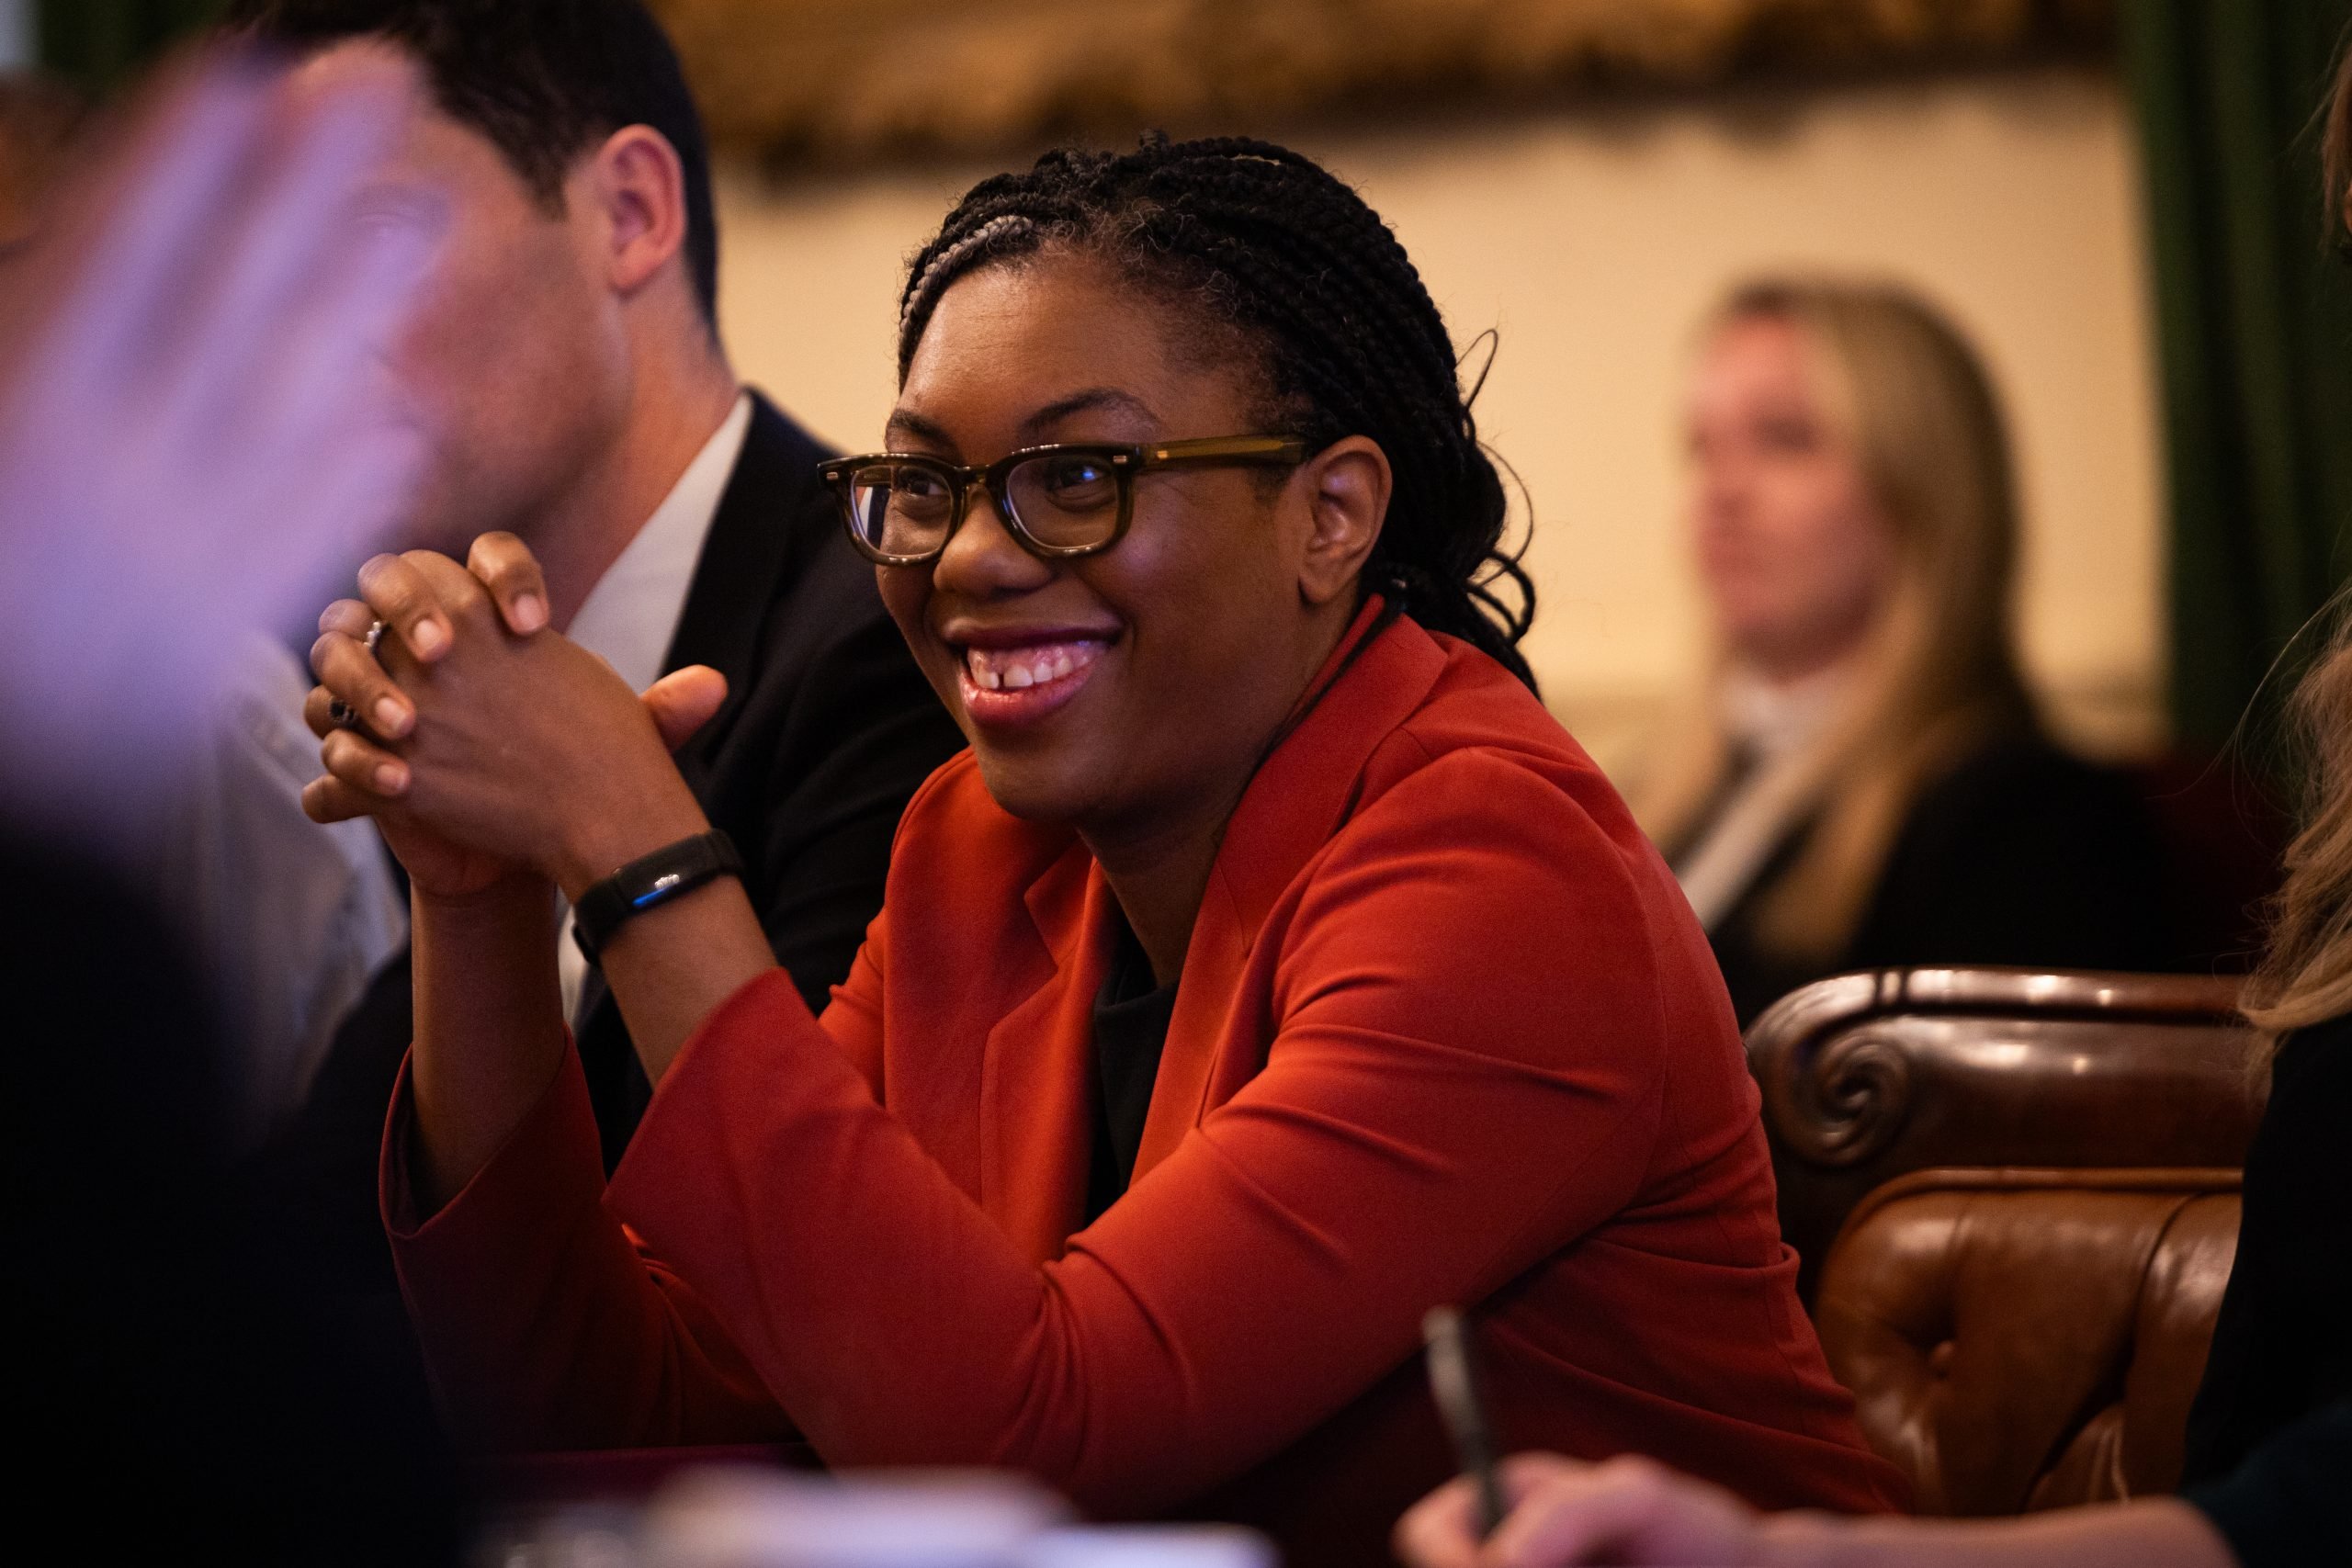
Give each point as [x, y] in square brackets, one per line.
[1094, 400]
[914, 427]
[906, 424]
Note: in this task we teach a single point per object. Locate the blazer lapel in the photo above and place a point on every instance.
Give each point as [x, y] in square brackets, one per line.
[1378, 676]
[1037, 1076]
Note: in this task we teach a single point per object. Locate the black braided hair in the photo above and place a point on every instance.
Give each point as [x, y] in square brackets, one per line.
[1269, 244]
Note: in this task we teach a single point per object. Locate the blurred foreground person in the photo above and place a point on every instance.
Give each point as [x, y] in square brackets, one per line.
[173, 322]
[286, 921]
[1865, 782]
[2268, 1472]
[192, 428]
[1272, 969]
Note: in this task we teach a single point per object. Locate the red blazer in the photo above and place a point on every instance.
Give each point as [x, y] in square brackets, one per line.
[1446, 1032]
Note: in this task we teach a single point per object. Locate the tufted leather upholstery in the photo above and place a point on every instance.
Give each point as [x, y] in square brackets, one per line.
[2024, 1339]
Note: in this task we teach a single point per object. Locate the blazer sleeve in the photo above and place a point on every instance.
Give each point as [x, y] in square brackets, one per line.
[545, 1324]
[1430, 1053]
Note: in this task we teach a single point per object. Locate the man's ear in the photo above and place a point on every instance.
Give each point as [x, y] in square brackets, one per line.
[1347, 488]
[637, 181]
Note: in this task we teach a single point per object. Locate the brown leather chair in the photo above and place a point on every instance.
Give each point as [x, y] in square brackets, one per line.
[1868, 1077]
[2025, 1340]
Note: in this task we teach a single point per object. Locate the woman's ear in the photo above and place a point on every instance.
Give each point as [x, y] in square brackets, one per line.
[636, 179]
[1347, 484]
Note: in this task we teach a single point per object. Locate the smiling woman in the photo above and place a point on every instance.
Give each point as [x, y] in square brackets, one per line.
[1272, 969]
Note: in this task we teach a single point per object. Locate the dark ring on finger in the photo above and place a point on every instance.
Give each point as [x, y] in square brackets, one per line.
[341, 715]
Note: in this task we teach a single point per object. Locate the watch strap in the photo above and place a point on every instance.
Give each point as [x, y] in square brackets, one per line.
[648, 882]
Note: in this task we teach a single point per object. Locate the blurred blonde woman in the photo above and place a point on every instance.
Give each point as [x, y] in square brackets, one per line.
[1864, 781]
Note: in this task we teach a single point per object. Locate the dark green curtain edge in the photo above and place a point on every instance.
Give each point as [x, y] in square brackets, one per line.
[2253, 334]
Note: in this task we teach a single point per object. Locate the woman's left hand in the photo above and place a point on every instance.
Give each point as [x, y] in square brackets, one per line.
[1626, 1510]
[520, 746]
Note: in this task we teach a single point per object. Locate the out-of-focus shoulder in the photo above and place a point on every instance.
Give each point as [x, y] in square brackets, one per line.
[1479, 715]
[1476, 701]
[2311, 1075]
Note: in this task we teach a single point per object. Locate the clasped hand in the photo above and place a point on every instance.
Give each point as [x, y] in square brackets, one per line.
[487, 746]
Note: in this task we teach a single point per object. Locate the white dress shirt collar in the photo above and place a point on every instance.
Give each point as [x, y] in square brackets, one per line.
[1775, 719]
[1783, 728]
[630, 617]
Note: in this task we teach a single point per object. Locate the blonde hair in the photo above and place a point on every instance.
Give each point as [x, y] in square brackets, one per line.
[1938, 671]
[2306, 971]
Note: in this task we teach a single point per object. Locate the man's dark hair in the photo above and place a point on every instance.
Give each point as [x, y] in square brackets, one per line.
[1266, 243]
[544, 80]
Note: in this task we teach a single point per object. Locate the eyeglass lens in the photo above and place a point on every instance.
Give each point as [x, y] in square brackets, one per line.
[1062, 500]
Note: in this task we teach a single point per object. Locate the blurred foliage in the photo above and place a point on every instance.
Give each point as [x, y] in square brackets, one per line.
[99, 44]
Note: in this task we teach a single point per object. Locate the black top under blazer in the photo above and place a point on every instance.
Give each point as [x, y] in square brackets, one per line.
[828, 730]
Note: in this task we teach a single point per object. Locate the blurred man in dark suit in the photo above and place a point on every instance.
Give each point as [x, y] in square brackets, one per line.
[570, 331]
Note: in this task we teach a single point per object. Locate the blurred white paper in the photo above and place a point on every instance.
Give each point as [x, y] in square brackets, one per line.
[750, 1518]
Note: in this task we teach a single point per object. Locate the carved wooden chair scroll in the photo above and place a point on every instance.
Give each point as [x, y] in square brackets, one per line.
[1870, 1076]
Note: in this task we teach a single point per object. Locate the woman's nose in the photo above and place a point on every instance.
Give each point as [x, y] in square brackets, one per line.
[982, 558]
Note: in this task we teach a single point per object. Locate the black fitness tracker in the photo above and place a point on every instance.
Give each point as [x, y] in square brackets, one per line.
[648, 882]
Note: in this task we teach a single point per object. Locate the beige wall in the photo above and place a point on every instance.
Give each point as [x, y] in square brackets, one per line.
[1592, 241]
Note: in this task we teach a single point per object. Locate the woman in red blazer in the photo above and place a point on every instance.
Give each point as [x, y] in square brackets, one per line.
[1272, 969]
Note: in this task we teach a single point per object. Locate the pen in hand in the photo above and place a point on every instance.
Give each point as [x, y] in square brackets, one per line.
[1455, 1381]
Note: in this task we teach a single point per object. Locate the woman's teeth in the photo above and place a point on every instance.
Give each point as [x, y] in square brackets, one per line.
[1015, 669]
